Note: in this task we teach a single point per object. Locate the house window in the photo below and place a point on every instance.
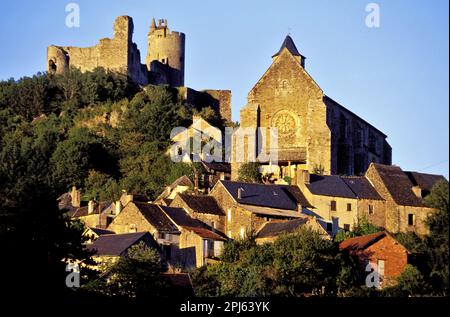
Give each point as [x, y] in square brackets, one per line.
[242, 233]
[229, 215]
[329, 226]
[333, 205]
[370, 209]
[411, 219]
[349, 207]
[346, 227]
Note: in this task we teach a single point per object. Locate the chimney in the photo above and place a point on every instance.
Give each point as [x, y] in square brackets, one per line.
[91, 207]
[417, 191]
[304, 177]
[117, 207]
[76, 197]
[125, 198]
[239, 192]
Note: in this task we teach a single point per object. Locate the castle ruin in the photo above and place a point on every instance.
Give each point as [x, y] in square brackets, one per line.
[164, 63]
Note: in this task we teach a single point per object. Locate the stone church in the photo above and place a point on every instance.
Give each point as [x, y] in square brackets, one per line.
[315, 133]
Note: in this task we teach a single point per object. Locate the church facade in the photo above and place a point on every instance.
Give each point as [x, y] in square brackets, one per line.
[315, 133]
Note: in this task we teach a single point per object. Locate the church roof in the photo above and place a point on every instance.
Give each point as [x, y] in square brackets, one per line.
[290, 45]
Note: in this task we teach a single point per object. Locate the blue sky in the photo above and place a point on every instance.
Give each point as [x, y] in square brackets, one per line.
[395, 76]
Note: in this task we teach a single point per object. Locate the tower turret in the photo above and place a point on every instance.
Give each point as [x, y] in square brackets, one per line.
[165, 57]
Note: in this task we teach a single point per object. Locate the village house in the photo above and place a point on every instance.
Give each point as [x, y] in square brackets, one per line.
[342, 201]
[180, 185]
[270, 231]
[386, 256]
[203, 208]
[248, 206]
[109, 248]
[403, 193]
[93, 234]
[198, 245]
[185, 241]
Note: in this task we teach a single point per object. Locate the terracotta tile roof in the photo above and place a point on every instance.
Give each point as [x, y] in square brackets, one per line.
[275, 228]
[205, 233]
[363, 242]
[398, 185]
[329, 185]
[202, 204]
[156, 217]
[116, 244]
[265, 195]
[424, 181]
[362, 187]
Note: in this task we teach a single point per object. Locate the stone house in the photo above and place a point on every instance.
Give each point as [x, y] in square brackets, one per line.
[403, 193]
[197, 244]
[180, 185]
[248, 206]
[93, 234]
[314, 131]
[387, 257]
[342, 201]
[203, 208]
[184, 241]
[270, 231]
[109, 248]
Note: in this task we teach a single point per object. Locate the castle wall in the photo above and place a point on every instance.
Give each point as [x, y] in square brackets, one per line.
[118, 54]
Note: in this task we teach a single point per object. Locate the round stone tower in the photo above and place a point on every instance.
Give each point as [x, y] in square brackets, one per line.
[165, 56]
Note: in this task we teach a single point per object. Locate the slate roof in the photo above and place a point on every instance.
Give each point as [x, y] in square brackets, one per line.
[398, 185]
[290, 45]
[275, 228]
[180, 217]
[329, 185]
[100, 232]
[84, 211]
[156, 217]
[362, 187]
[202, 204]
[116, 244]
[280, 213]
[424, 181]
[264, 195]
[217, 166]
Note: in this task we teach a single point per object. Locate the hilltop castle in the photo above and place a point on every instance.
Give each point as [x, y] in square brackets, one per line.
[164, 63]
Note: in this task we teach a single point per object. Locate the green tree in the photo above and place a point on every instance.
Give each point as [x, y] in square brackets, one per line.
[438, 239]
[249, 172]
[136, 275]
[410, 282]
